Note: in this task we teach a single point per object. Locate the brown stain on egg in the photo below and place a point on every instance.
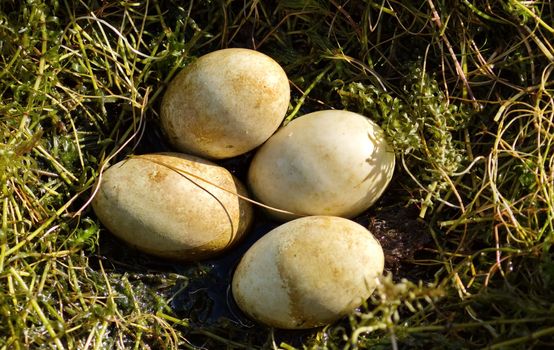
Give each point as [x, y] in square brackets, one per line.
[157, 176]
[303, 258]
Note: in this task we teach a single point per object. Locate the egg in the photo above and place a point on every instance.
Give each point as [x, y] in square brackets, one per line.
[173, 205]
[308, 272]
[329, 162]
[226, 103]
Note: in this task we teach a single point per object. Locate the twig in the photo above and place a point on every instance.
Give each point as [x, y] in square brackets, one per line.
[459, 69]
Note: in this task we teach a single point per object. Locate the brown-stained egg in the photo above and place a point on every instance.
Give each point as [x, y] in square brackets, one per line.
[173, 205]
[308, 272]
[226, 103]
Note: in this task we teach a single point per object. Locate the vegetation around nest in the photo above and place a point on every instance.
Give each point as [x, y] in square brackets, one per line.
[463, 88]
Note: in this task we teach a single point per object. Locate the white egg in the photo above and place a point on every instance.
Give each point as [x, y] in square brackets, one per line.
[226, 103]
[330, 162]
[308, 272]
[171, 205]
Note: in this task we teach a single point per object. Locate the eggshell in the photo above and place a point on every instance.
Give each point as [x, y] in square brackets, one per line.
[308, 272]
[153, 203]
[330, 162]
[226, 103]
